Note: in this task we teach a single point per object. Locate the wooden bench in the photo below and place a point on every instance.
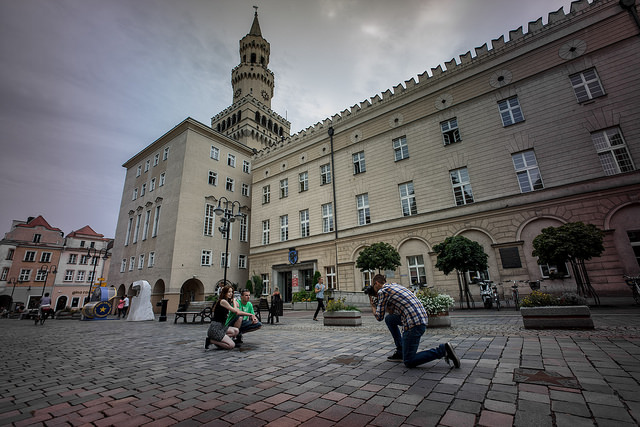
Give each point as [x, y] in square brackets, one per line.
[263, 306]
[197, 309]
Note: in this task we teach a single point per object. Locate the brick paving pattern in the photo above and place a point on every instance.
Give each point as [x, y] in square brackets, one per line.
[301, 373]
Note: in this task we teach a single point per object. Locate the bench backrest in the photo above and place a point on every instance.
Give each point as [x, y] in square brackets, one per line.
[198, 305]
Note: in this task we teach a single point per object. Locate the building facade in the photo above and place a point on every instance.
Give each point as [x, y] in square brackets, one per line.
[36, 259]
[535, 131]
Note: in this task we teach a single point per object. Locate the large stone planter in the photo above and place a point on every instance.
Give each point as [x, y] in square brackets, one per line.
[342, 318]
[557, 317]
[441, 320]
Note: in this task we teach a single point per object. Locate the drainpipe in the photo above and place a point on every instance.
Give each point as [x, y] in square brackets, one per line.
[335, 207]
[630, 6]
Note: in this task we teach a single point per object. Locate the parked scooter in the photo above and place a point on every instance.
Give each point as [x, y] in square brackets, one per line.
[486, 293]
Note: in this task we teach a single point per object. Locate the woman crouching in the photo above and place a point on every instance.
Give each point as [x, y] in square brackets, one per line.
[218, 333]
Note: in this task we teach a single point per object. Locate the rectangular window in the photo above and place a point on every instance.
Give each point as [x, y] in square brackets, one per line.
[325, 174]
[5, 273]
[213, 178]
[358, 163]
[400, 148]
[634, 241]
[215, 153]
[10, 253]
[143, 189]
[123, 265]
[586, 85]
[246, 166]
[45, 257]
[165, 155]
[224, 259]
[84, 259]
[265, 283]
[156, 220]
[128, 236]
[330, 274]
[327, 218]
[140, 261]
[30, 256]
[554, 271]
[162, 177]
[284, 188]
[284, 228]
[152, 259]
[304, 223]
[90, 277]
[417, 272]
[136, 231]
[612, 151]
[138, 171]
[244, 228]
[68, 275]
[135, 194]
[229, 185]
[266, 194]
[231, 160]
[145, 228]
[450, 131]
[461, 186]
[152, 185]
[37, 238]
[245, 190]
[80, 276]
[265, 232]
[527, 171]
[510, 111]
[362, 205]
[223, 232]
[367, 278]
[40, 275]
[147, 164]
[205, 258]
[156, 159]
[132, 263]
[73, 258]
[407, 199]
[303, 178]
[242, 261]
[25, 274]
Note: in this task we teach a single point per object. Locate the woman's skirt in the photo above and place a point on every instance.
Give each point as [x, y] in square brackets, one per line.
[217, 331]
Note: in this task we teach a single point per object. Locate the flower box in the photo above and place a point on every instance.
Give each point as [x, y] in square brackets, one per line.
[557, 317]
[342, 318]
[440, 320]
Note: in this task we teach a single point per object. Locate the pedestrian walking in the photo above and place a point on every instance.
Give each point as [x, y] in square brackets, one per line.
[319, 289]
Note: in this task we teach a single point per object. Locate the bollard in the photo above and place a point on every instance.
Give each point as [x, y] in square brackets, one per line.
[163, 310]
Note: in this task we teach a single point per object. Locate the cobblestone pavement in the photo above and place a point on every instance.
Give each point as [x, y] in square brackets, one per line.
[299, 372]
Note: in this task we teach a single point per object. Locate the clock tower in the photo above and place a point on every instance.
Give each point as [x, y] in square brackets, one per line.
[250, 119]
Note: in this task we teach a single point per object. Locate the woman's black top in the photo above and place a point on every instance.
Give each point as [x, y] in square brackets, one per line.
[220, 313]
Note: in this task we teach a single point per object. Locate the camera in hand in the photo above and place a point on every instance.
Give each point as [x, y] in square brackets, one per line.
[370, 291]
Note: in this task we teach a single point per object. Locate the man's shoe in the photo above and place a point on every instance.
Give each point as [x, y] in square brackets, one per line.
[450, 356]
[315, 319]
[207, 342]
[238, 339]
[395, 357]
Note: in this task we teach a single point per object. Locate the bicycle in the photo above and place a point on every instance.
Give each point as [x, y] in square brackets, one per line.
[43, 314]
[634, 284]
[496, 297]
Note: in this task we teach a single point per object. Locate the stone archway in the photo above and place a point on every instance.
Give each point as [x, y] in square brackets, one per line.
[625, 223]
[61, 303]
[191, 290]
[157, 295]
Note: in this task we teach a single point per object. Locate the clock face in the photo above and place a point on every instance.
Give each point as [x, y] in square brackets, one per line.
[265, 95]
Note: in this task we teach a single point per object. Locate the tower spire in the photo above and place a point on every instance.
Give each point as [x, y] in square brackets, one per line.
[255, 27]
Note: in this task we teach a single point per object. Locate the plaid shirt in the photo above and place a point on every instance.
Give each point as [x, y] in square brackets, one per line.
[404, 302]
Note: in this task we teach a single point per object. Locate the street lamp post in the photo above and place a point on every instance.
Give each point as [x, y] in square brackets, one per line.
[46, 269]
[13, 282]
[93, 253]
[227, 210]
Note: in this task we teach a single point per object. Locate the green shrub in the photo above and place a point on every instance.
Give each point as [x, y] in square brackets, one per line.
[339, 304]
[571, 298]
[303, 296]
[539, 299]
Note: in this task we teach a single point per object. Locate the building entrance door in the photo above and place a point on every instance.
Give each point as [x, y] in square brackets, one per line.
[284, 281]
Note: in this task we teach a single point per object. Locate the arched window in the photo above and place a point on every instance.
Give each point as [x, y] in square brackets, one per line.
[233, 119]
[228, 121]
[262, 60]
[218, 127]
[223, 127]
[257, 117]
[269, 124]
[239, 115]
[253, 58]
[264, 121]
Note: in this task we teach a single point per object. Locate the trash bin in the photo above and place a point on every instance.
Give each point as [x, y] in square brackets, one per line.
[163, 310]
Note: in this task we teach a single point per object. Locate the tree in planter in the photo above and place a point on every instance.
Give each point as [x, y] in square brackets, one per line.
[379, 256]
[461, 254]
[576, 243]
[257, 285]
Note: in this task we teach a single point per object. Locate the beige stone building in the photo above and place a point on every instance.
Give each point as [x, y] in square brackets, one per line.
[537, 130]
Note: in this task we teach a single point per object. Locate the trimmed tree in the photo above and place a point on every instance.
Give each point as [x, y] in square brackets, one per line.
[257, 285]
[379, 256]
[574, 242]
[461, 254]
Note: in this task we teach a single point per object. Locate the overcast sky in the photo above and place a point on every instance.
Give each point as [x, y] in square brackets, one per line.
[86, 84]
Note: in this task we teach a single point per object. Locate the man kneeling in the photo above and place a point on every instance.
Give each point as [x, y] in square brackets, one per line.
[244, 323]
